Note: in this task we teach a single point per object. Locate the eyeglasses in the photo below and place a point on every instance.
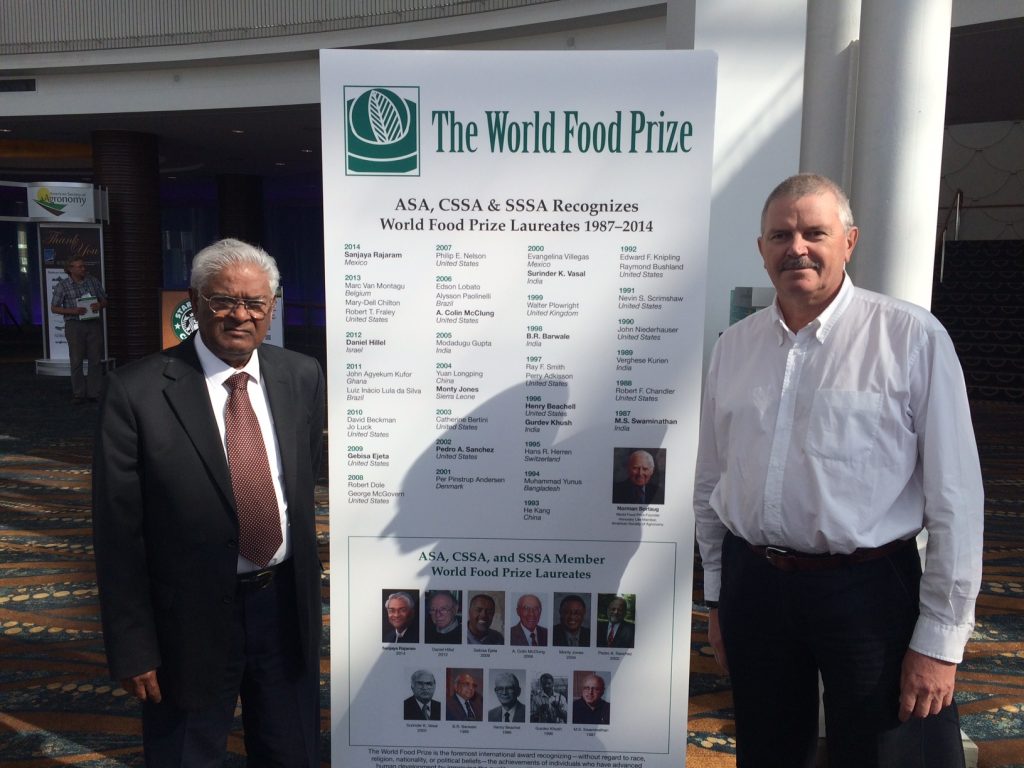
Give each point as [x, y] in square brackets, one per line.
[225, 305]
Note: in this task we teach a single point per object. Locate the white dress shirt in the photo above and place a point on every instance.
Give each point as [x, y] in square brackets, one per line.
[217, 372]
[853, 432]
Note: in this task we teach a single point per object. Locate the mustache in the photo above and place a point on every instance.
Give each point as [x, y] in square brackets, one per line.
[798, 262]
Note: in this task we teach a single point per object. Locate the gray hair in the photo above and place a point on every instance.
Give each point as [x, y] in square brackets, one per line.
[648, 459]
[405, 597]
[506, 676]
[223, 253]
[804, 184]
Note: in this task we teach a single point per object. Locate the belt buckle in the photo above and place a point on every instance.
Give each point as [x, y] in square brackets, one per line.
[771, 554]
[260, 580]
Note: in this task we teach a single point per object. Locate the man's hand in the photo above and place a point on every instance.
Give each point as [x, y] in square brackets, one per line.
[715, 638]
[926, 685]
[144, 687]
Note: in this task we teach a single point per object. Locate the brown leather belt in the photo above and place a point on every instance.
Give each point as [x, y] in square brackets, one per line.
[788, 560]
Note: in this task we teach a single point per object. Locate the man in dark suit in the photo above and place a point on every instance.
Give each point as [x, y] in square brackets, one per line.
[528, 631]
[510, 709]
[205, 464]
[465, 703]
[421, 705]
[639, 487]
[570, 630]
[616, 632]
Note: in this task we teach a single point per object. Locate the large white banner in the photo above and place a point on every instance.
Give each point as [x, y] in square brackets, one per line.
[515, 266]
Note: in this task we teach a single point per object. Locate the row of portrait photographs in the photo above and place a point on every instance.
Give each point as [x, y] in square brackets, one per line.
[638, 476]
[505, 700]
[483, 621]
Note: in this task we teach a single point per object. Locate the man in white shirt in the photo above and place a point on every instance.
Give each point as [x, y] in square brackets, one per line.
[835, 427]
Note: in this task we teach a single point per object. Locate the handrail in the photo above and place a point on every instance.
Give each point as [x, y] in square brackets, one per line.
[958, 201]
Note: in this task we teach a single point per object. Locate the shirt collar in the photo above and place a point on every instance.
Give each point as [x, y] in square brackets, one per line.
[822, 325]
[217, 371]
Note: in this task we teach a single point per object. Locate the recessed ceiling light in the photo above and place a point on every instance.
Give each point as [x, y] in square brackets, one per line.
[306, 151]
[280, 163]
[6, 130]
[237, 130]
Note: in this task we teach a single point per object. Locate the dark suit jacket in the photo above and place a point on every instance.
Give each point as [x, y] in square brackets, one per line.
[558, 636]
[518, 635]
[518, 714]
[413, 710]
[412, 634]
[625, 635]
[164, 524]
[453, 709]
[622, 493]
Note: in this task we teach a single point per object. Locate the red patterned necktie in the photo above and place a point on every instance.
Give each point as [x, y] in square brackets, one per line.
[259, 522]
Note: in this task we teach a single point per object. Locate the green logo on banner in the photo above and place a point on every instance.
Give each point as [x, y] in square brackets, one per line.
[382, 131]
[183, 320]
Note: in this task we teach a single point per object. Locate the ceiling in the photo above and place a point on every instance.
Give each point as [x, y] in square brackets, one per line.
[264, 141]
[986, 73]
[985, 84]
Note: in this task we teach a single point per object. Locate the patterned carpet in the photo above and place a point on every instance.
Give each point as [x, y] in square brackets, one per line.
[57, 706]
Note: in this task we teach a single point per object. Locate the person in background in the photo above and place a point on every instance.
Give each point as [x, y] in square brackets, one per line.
[400, 612]
[546, 704]
[573, 629]
[510, 709]
[465, 703]
[443, 625]
[528, 631]
[421, 705]
[478, 625]
[591, 708]
[639, 487]
[80, 299]
[616, 632]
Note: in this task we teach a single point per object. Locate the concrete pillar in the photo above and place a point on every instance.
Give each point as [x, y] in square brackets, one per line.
[830, 89]
[904, 55]
[126, 163]
[680, 25]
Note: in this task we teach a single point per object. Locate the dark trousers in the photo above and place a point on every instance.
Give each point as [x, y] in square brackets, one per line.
[280, 694]
[853, 624]
[85, 342]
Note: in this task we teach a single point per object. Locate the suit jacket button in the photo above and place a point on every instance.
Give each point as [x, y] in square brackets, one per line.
[232, 544]
[228, 600]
